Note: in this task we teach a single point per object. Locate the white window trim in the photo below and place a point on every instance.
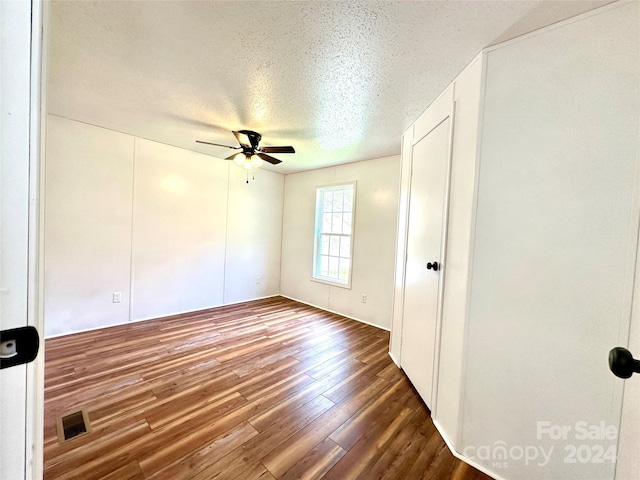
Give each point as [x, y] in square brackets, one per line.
[316, 236]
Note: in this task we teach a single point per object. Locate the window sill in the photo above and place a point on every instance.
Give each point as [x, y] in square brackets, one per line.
[333, 284]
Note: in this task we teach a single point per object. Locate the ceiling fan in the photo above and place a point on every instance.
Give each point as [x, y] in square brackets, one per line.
[252, 153]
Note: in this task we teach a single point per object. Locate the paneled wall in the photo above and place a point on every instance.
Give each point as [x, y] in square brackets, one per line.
[89, 187]
[554, 240]
[255, 230]
[179, 218]
[374, 240]
[169, 229]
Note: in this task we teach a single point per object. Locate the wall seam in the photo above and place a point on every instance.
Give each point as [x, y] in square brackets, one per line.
[133, 196]
[284, 196]
[226, 236]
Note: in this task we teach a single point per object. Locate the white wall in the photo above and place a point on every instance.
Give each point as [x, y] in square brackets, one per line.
[401, 246]
[555, 240]
[254, 232]
[179, 218]
[88, 201]
[374, 240]
[164, 226]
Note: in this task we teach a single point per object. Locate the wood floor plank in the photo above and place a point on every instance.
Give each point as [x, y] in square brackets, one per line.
[317, 462]
[371, 418]
[365, 451]
[282, 409]
[209, 454]
[131, 471]
[396, 453]
[258, 472]
[270, 389]
[80, 462]
[423, 468]
[243, 458]
[285, 456]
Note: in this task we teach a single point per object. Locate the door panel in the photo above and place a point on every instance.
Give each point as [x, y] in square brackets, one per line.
[426, 207]
[15, 95]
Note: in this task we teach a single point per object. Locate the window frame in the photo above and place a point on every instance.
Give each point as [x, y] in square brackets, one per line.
[317, 234]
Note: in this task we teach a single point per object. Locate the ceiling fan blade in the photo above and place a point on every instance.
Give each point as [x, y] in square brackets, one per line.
[217, 145]
[287, 149]
[267, 158]
[243, 139]
[232, 157]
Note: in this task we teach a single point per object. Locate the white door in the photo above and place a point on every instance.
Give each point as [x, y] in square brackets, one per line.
[18, 130]
[429, 163]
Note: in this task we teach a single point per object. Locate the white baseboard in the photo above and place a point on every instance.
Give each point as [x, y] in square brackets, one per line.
[203, 309]
[460, 456]
[119, 324]
[336, 312]
[395, 360]
[221, 305]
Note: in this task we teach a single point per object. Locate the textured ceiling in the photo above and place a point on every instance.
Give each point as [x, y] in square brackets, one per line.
[340, 81]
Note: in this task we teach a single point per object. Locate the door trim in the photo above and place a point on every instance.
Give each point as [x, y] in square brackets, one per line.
[443, 259]
[35, 314]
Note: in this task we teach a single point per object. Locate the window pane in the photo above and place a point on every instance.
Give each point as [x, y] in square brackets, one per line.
[333, 267]
[348, 200]
[345, 263]
[337, 201]
[334, 248]
[345, 247]
[328, 198]
[346, 223]
[336, 224]
[326, 223]
[325, 245]
[324, 266]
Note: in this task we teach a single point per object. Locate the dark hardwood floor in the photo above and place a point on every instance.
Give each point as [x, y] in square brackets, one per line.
[269, 389]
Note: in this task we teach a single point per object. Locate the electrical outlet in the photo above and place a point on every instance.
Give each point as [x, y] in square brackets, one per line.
[363, 299]
[117, 297]
[258, 280]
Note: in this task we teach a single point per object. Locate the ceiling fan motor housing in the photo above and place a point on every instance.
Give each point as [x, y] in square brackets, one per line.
[254, 138]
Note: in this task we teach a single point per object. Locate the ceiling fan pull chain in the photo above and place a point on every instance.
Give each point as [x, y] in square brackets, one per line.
[247, 177]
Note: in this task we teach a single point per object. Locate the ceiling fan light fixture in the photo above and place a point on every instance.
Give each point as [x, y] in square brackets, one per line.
[256, 161]
[247, 164]
[239, 159]
[246, 160]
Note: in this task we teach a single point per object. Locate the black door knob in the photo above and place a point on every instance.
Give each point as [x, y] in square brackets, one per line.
[622, 363]
[433, 266]
[18, 346]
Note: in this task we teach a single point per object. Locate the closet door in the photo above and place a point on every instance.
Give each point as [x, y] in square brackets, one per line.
[429, 176]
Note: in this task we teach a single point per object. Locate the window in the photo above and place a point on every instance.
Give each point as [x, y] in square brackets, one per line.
[334, 234]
